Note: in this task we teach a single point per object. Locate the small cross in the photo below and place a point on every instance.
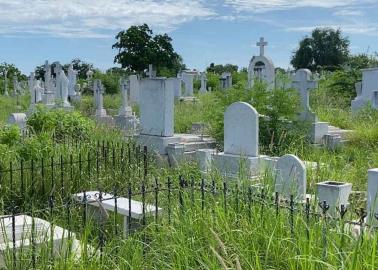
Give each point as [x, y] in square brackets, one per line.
[262, 44]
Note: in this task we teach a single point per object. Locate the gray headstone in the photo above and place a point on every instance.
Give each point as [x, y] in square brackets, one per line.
[156, 103]
[291, 177]
[372, 197]
[241, 130]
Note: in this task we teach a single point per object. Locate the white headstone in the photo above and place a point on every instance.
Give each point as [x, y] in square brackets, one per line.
[62, 88]
[16, 85]
[151, 73]
[125, 109]
[291, 177]
[203, 88]
[18, 119]
[188, 78]
[366, 88]
[99, 99]
[241, 130]
[134, 88]
[226, 80]
[372, 197]
[72, 78]
[303, 83]
[37, 92]
[48, 81]
[156, 107]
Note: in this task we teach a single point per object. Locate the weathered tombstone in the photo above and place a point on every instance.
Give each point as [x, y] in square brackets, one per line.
[226, 80]
[156, 103]
[375, 100]
[38, 91]
[18, 119]
[72, 78]
[134, 88]
[15, 86]
[125, 119]
[31, 81]
[241, 130]
[89, 80]
[48, 81]
[6, 83]
[261, 67]
[188, 78]
[241, 151]
[151, 73]
[99, 99]
[203, 77]
[372, 197]
[291, 177]
[62, 88]
[303, 83]
[366, 88]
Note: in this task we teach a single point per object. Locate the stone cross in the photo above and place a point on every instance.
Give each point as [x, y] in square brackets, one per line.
[262, 44]
[125, 109]
[72, 80]
[15, 85]
[151, 73]
[98, 92]
[48, 81]
[303, 83]
[62, 87]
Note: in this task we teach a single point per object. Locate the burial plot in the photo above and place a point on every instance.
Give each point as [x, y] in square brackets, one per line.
[261, 67]
[291, 177]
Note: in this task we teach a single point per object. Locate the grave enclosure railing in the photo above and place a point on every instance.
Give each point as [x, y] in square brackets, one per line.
[123, 171]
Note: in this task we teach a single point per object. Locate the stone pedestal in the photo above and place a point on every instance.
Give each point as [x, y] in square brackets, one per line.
[232, 166]
[318, 130]
[156, 143]
[175, 153]
[128, 123]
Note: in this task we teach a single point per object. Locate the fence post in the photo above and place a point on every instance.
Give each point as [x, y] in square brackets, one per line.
[225, 196]
[202, 194]
[169, 200]
[292, 215]
[324, 206]
[307, 213]
[156, 201]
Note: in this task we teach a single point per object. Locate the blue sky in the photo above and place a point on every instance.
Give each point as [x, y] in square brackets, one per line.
[219, 31]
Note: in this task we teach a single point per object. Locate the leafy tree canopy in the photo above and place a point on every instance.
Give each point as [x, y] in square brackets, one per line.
[219, 69]
[81, 66]
[138, 47]
[326, 49]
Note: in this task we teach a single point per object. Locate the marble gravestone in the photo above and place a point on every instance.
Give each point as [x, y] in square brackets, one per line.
[241, 132]
[226, 80]
[291, 177]
[18, 119]
[303, 84]
[62, 88]
[48, 97]
[241, 137]
[156, 103]
[72, 78]
[16, 86]
[261, 67]
[125, 119]
[203, 78]
[365, 89]
[134, 88]
[188, 78]
[372, 197]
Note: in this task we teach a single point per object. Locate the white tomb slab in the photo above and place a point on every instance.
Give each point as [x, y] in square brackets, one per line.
[42, 236]
[134, 88]
[123, 206]
[372, 197]
[291, 177]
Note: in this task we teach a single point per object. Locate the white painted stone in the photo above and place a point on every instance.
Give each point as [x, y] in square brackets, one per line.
[188, 78]
[99, 99]
[203, 88]
[18, 119]
[62, 87]
[157, 107]
[236, 166]
[226, 80]
[372, 197]
[375, 99]
[204, 159]
[72, 78]
[62, 240]
[291, 177]
[241, 130]
[303, 83]
[366, 88]
[261, 67]
[175, 153]
[125, 109]
[335, 194]
[134, 88]
[318, 131]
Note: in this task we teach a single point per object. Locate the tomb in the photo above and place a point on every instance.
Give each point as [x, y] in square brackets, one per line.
[225, 80]
[365, 89]
[100, 115]
[134, 88]
[203, 88]
[261, 67]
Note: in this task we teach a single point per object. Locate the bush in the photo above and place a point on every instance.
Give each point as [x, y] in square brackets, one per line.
[62, 124]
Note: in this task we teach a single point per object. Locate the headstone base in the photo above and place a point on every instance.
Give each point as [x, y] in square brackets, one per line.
[175, 153]
[157, 143]
[105, 120]
[318, 130]
[128, 123]
[358, 104]
[233, 166]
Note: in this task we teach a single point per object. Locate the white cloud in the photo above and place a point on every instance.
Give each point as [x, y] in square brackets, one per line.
[369, 29]
[259, 6]
[95, 18]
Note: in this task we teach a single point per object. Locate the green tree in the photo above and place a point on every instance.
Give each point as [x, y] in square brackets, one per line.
[219, 69]
[325, 49]
[138, 47]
